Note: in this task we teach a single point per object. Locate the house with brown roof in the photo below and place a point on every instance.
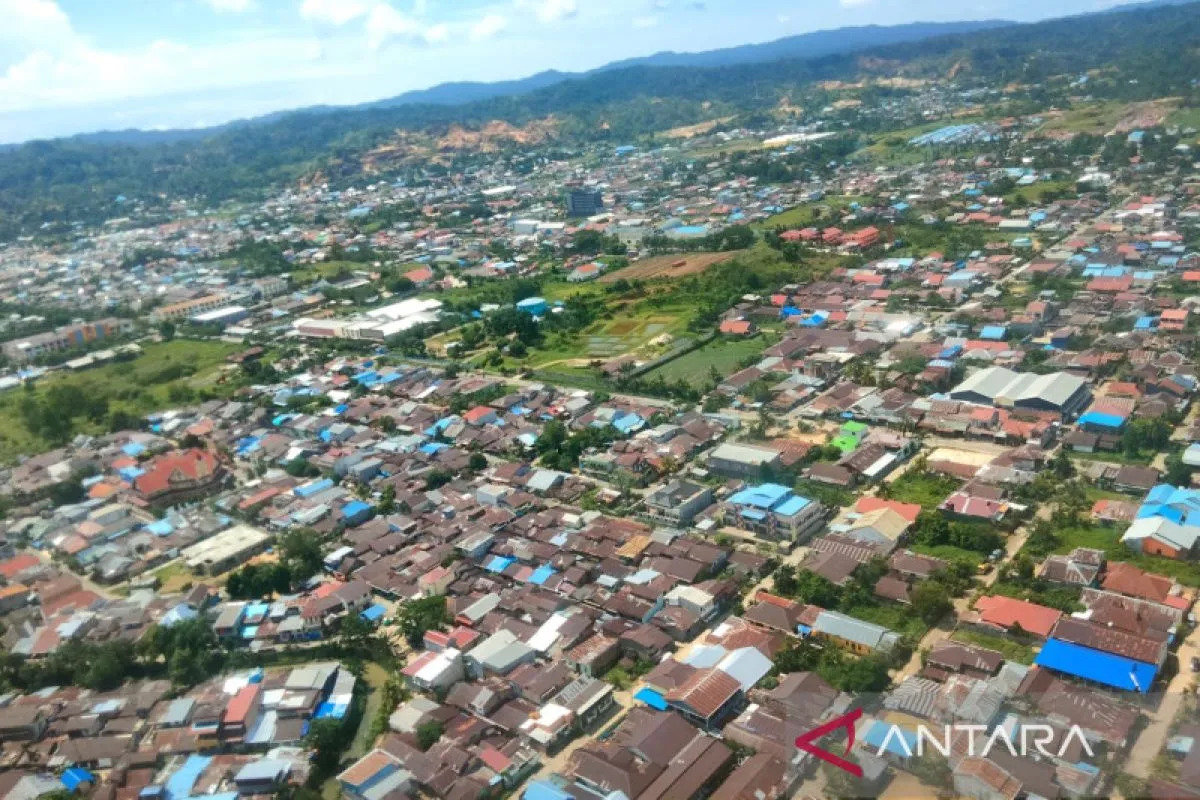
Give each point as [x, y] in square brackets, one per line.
[1125, 578]
[707, 698]
[1080, 567]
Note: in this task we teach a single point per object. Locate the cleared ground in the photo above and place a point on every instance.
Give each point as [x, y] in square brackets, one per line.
[672, 266]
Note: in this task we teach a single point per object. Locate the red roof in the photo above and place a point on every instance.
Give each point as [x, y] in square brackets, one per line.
[188, 465]
[18, 564]
[909, 511]
[240, 705]
[1127, 579]
[738, 326]
[1004, 612]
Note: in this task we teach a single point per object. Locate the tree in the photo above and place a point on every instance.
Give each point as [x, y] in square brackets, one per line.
[418, 616]
[166, 329]
[477, 462]
[387, 500]
[428, 733]
[328, 738]
[300, 549]
[930, 601]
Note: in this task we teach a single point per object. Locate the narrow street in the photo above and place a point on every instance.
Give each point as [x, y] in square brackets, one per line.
[1150, 741]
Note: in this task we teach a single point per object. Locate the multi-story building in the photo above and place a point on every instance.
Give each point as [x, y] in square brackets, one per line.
[676, 503]
[584, 202]
[78, 334]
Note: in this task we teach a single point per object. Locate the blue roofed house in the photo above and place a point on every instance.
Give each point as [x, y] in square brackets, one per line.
[1167, 523]
[1105, 655]
[775, 511]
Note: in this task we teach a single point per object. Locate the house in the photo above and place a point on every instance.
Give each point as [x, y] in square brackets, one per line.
[1080, 567]
[881, 526]
[177, 477]
[954, 658]
[738, 327]
[706, 698]
[376, 775]
[1131, 581]
[677, 502]
[854, 634]
[742, 460]
[1006, 613]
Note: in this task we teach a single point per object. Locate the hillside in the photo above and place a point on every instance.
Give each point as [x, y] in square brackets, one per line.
[1145, 53]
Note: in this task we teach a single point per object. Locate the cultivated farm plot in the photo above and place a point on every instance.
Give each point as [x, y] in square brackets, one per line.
[670, 266]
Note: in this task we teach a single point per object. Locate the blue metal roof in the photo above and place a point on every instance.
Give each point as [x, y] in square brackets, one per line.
[499, 563]
[74, 777]
[1101, 419]
[765, 495]
[1095, 665]
[541, 574]
[545, 790]
[993, 332]
[651, 698]
[373, 613]
[314, 487]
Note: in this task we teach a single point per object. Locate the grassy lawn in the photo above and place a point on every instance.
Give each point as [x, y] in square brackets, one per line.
[923, 488]
[805, 215]
[1064, 598]
[723, 354]
[375, 677]
[1033, 194]
[1095, 536]
[1012, 650]
[1142, 459]
[948, 552]
[898, 618]
[139, 386]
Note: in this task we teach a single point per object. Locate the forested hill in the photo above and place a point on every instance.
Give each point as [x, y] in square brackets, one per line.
[1146, 52]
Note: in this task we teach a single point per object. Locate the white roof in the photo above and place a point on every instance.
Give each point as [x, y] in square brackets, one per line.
[747, 665]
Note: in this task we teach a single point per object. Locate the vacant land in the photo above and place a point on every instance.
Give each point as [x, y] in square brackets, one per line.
[170, 369]
[670, 266]
[926, 489]
[722, 354]
[1099, 119]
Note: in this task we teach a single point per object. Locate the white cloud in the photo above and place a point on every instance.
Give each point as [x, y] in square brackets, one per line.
[550, 10]
[230, 6]
[645, 22]
[385, 23]
[487, 27]
[333, 12]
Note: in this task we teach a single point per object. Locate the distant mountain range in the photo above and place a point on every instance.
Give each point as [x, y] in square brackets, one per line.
[806, 46]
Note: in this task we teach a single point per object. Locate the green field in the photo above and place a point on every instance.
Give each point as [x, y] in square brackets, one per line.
[1010, 648]
[823, 211]
[723, 354]
[926, 489]
[948, 552]
[140, 386]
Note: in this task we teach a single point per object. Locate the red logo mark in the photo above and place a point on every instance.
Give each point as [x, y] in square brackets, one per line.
[805, 742]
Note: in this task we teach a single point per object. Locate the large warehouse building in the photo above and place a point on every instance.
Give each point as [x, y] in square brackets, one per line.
[996, 386]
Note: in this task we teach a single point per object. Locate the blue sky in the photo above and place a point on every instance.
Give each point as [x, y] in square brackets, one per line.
[68, 66]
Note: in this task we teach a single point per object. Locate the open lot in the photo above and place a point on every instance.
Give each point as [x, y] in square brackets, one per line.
[139, 386]
[670, 266]
[723, 354]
